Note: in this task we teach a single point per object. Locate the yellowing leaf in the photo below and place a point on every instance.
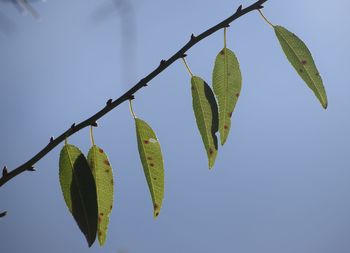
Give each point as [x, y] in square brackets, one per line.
[79, 190]
[102, 172]
[152, 162]
[206, 113]
[301, 59]
[227, 83]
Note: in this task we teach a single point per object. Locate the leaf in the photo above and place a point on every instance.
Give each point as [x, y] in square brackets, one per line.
[152, 162]
[79, 190]
[102, 172]
[206, 113]
[227, 83]
[301, 59]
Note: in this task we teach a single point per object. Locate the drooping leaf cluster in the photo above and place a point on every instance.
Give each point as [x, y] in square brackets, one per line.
[87, 186]
[87, 183]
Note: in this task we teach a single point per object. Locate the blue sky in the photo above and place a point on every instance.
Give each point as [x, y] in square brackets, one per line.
[280, 184]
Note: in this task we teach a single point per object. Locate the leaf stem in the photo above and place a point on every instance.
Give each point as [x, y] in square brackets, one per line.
[131, 109]
[267, 21]
[187, 67]
[225, 37]
[92, 136]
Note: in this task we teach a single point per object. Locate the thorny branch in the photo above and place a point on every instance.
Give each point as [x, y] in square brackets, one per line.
[110, 104]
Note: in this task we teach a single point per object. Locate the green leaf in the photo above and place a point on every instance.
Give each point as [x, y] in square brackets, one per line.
[152, 162]
[79, 190]
[206, 112]
[227, 83]
[301, 59]
[102, 172]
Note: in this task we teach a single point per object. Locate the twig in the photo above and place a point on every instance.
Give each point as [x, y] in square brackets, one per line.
[110, 104]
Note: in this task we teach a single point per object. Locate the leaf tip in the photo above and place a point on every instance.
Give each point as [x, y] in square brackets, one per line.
[156, 211]
[325, 105]
[101, 239]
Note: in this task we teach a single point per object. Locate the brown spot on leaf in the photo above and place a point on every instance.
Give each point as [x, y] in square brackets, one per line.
[154, 178]
[230, 114]
[304, 62]
[106, 162]
[222, 52]
[146, 141]
[211, 151]
[99, 233]
[107, 170]
[100, 150]
[225, 127]
[149, 158]
[237, 94]
[111, 207]
[101, 214]
[152, 164]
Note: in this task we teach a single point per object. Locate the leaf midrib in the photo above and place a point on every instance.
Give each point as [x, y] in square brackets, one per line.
[94, 161]
[226, 94]
[148, 169]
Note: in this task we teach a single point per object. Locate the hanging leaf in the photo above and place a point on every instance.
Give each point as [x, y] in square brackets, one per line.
[300, 57]
[152, 162]
[227, 83]
[102, 172]
[79, 190]
[206, 112]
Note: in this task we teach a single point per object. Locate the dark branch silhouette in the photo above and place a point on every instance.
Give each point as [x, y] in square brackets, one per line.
[110, 104]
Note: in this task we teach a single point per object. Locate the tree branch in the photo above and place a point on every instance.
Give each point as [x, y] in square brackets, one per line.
[110, 104]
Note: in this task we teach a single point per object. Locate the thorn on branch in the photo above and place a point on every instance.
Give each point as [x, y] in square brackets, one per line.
[260, 7]
[184, 56]
[31, 168]
[239, 9]
[193, 36]
[4, 171]
[3, 214]
[109, 102]
[162, 62]
[51, 139]
[131, 97]
[72, 126]
[94, 124]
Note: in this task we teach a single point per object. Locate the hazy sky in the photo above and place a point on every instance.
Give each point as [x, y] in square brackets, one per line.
[281, 184]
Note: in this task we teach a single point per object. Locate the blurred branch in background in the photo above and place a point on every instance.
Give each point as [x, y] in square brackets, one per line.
[7, 27]
[125, 11]
[24, 6]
